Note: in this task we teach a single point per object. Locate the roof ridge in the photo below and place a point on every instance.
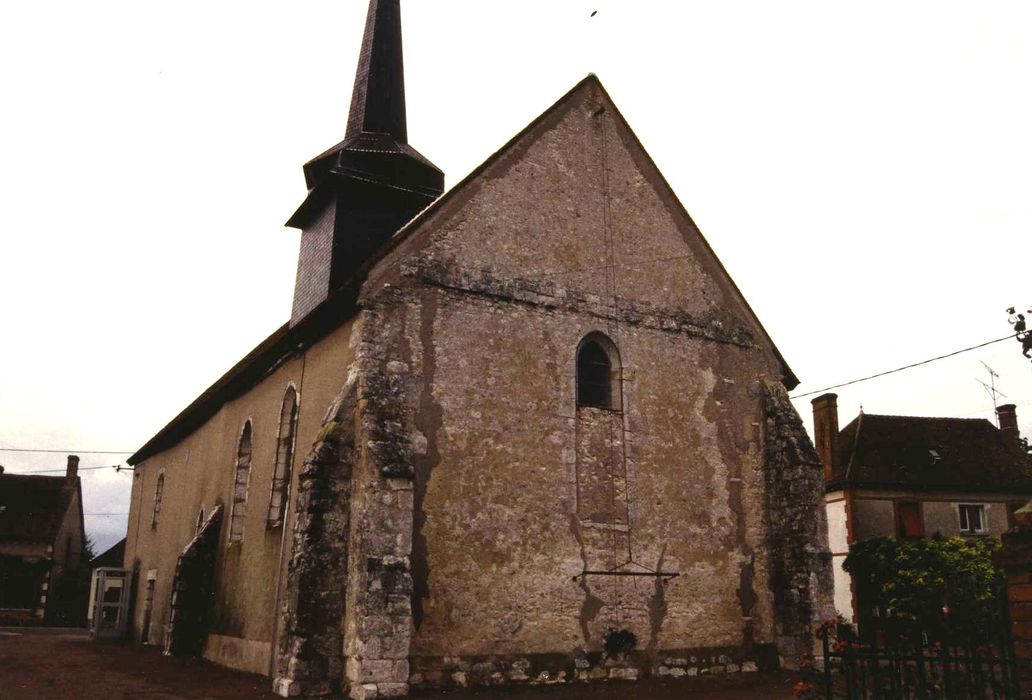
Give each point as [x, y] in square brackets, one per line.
[929, 418]
[856, 442]
[54, 477]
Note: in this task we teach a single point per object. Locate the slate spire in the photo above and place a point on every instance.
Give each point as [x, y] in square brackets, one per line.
[361, 191]
[378, 101]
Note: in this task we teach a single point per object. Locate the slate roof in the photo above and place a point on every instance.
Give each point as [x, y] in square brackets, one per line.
[929, 454]
[341, 303]
[375, 145]
[32, 507]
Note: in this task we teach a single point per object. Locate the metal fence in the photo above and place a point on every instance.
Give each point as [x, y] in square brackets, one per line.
[932, 672]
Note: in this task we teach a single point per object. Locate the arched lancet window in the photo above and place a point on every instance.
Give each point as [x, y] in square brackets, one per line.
[598, 373]
[284, 458]
[243, 475]
[159, 495]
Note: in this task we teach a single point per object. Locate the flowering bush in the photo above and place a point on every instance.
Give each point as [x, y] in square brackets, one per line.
[939, 587]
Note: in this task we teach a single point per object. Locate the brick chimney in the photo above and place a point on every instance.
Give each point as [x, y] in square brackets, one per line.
[1008, 422]
[73, 470]
[825, 430]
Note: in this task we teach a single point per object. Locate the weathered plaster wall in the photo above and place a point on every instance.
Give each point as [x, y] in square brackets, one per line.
[513, 505]
[838, 542]
[199, 472]
[875, 511]
[944, 516]
[873, 518]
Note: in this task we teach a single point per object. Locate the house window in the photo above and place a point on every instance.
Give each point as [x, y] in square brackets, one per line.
[284, 458]
[243, 475]
[159, 495]
[972, 519]
[597, 364]
[909, 522]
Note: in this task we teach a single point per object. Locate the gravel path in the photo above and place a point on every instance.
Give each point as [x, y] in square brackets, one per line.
[65, 665]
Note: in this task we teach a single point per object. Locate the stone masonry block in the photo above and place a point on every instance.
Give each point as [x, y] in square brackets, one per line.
[393, 690]
[364, 692]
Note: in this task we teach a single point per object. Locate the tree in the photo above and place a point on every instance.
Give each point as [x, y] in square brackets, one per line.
[89, 550]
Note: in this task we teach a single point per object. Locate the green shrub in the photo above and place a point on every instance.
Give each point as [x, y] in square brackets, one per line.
[943, 587]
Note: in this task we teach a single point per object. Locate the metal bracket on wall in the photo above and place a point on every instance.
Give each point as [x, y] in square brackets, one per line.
[665, 575]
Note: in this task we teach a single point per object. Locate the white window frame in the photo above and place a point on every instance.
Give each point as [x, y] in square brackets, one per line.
[965, 525]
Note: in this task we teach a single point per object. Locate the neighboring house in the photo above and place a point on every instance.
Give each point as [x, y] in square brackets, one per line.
[41, 542]
[909, 476]
[111, 557]
[500, 423]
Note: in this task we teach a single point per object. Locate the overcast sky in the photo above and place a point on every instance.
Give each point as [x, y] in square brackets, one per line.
[864, 171]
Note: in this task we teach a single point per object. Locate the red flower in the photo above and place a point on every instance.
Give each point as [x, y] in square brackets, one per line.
[802, 689]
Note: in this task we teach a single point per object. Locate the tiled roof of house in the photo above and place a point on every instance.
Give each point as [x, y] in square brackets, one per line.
[110, 557]
[32, 507]
[930, 454]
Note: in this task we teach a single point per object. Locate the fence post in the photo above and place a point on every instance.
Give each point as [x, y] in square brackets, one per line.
[827, 664]
[1015, 558]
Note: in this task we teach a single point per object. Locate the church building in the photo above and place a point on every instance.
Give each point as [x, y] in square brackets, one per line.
[525, 430]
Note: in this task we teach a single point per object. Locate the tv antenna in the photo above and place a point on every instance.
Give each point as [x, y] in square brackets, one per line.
[991, 389]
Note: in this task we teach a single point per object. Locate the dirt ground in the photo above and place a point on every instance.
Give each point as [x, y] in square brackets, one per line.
[65, 665]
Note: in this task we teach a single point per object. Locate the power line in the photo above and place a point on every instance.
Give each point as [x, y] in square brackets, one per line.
[116, 467]
[900, 369]
[68, 452]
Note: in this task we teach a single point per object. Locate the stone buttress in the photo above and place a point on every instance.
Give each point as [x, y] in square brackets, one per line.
[801, 575]
[347, 618]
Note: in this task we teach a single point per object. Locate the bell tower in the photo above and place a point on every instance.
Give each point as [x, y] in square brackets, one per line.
[364, 189]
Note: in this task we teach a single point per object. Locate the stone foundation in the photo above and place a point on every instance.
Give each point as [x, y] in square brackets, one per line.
[550, 669]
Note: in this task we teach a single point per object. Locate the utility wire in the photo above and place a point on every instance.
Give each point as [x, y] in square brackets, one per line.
[900, 369]
[116, 467]
[69, 452]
